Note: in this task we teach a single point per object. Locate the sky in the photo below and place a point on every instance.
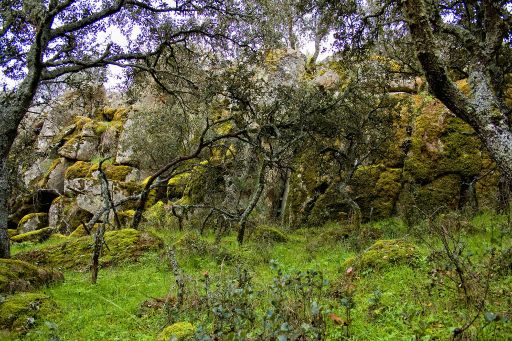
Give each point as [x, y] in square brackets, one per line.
[114, 73]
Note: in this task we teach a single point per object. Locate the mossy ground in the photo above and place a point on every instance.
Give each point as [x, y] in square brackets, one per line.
[121, 245]
[16, 276]
[401, 300]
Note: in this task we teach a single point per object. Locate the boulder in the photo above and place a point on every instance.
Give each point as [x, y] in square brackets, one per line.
[327, 79]
[125, 152]
[88, 192]
[81, 181]
[65, 215]
[269, 234]
[32, 222]
[80, 148]
[54, 178]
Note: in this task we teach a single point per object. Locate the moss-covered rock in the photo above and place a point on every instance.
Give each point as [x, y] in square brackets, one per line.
[16, 275]
[123, 245]
[37, 235]
[12, 232]
[32, 222]
[383, 253]
[79, 169]
[441, 144]
[21, 312]
[442, 193]
[80, 147]
[264, 233]
[177, 331]
[387, 190]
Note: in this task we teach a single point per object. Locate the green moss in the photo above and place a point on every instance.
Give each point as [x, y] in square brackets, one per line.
[16, 275]
[269, 234]
[113, 172]
[387, 190]
[82, 121]
[123, 245]
[12, 232]
[440, 193]
[20, 312]
[383, 253]
[81, 232]
[100, 127]
[79, 169]
[440, 144]
[177, 185]
[111, 114]
[37, 235]
[177, 331]
[106, 114]
[126, 217]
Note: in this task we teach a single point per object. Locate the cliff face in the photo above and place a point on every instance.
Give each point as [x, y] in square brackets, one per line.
[432, 161]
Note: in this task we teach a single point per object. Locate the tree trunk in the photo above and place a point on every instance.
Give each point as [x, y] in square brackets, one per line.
[5, 251]
[252, 204]
[482, 111]
[12, 111]
[284, 197]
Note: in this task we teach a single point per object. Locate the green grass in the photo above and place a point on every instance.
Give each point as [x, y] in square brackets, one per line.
[398, 302]
[107, 310]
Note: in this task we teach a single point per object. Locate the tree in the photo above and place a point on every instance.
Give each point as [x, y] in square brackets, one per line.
[298, 22]
[475, 34]
[483, 30]
[41, 41]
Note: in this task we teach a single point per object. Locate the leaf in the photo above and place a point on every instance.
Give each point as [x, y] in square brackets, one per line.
[315, 310]
[489, 316]
[281, 338]
[337, 320]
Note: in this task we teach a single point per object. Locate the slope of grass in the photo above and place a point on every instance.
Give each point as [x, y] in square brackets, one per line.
[398, 301]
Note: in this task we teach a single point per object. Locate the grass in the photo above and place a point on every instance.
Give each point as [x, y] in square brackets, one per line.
[398, 302]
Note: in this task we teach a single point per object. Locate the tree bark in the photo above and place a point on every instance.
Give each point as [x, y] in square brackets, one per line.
[284, 197]
[483, 110]
[252, 204]
[12, 111]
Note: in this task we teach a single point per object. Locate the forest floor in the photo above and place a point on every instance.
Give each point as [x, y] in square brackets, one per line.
[447, 279]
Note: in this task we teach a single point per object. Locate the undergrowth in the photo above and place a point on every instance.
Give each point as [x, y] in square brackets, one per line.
[311, 285]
